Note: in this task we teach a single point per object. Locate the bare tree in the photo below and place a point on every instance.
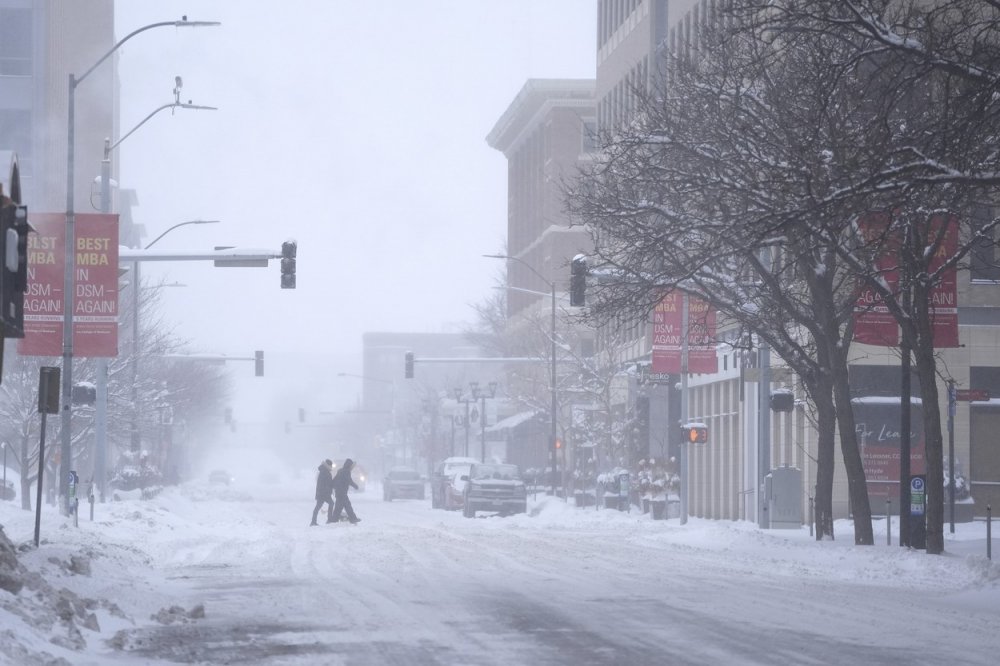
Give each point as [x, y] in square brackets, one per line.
[934, 68]
[730, 185]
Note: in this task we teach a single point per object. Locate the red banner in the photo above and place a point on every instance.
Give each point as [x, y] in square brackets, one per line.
[667, 331]
[944, 295]
[95, 306]
[873, 324]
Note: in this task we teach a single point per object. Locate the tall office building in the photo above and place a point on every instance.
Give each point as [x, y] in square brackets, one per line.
[41, 43]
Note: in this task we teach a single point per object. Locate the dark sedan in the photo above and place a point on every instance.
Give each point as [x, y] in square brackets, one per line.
[402, 483]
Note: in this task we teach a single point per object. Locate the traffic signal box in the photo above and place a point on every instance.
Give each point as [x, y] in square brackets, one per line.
[694, 434]
[578, 281]
[782, 401]
[288, 251]
[13, 268]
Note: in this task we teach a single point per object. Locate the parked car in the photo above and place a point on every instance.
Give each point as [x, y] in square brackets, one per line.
[402, 483]
[7, 491]
[219, 477]
[494, 487]
[447, 485]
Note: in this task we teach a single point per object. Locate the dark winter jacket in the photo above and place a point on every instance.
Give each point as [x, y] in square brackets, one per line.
[342, 479]
[324, 482]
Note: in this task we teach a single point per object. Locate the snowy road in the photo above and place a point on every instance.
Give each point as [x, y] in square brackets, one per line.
[214, 575]
[412, 585]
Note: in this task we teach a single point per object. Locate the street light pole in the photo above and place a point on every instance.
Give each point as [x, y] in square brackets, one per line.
[101, 411]
[554, 434]
[69, 270]
[135, 435]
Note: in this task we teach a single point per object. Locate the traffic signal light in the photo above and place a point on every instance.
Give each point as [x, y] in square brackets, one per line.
[408, 370]
[288, 252]
[14, 270]
[258, 363]
[782, 401]
[694, 433]
[578, 281]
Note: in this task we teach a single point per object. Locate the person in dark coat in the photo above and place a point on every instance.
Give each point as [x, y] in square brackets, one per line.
[324, 488]
[341, 481]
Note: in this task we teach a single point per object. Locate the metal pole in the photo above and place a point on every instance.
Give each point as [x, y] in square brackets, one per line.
[554, 435]
[482, 422]
[989, 533]
[951, 455]
[888, 521]
[684, 409]
[904, 434]
[101, 408]
[136, 438]
[764, 432]
[467, 401]
[65, 451]
[41, 469]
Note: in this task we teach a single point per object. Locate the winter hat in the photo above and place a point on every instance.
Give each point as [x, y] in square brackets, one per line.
[348, 463]
[328, 462]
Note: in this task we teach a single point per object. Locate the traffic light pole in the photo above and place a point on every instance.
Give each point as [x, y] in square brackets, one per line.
[685, 445]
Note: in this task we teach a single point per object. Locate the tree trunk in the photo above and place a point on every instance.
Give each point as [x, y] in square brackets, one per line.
[25, 476]
[857, 486]
[826, 420]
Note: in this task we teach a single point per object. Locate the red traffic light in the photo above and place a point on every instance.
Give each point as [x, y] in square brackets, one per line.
[694, 434]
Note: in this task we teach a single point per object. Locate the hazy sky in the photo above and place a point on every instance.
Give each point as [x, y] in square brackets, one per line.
[357, 129]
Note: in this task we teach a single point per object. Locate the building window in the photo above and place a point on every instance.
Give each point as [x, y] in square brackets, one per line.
[983, 260]
[15, 42]
[15, 135]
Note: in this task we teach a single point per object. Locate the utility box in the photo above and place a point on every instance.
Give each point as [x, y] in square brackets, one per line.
[783, 495]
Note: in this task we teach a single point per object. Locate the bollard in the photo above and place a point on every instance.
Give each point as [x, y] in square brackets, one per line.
[888, 521]
[989, 534]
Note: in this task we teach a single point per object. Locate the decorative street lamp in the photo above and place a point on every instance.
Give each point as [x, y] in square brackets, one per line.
[554, 429]
[467, 400]
[482, 416]
[69, 277]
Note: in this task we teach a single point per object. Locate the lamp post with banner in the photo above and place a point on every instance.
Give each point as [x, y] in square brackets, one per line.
[69, 270]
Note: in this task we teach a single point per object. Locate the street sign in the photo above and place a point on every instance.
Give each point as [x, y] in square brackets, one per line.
[972, 395]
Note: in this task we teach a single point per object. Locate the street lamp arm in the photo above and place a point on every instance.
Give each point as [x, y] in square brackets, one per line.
[179, 224]
[365, 377]
[183, 23]
[171, 105]
[525, 264]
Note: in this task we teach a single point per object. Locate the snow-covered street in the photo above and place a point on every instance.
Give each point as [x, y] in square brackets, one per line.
[214, 574]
